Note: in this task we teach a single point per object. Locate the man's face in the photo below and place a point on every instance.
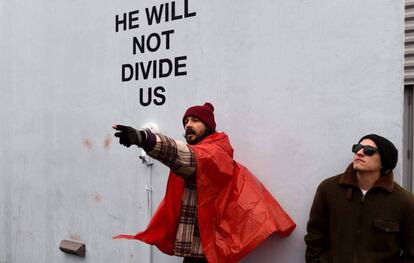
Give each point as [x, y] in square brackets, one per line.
[194, 129]
[366, 163]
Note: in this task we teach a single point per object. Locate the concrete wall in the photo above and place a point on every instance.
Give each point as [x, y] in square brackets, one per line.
[294, 84]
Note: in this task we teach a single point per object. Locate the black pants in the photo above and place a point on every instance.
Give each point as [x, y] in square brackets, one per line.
[194, 260]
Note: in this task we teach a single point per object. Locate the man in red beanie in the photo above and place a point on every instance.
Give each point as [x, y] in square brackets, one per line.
[362, 215]
[214, 209]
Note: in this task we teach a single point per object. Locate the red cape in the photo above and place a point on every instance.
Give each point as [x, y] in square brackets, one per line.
[235, 211]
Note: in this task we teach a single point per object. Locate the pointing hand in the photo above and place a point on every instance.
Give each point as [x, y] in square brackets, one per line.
[128, 135]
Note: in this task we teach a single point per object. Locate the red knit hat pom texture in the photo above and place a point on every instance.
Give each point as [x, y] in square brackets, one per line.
[205, 113]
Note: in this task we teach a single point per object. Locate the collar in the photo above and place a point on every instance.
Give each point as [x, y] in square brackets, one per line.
[385, 182]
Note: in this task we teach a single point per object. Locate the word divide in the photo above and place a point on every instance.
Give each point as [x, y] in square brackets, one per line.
[159, 68]
[165, 12]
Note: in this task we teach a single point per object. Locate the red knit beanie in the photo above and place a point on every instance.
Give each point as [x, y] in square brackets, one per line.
[205, 113]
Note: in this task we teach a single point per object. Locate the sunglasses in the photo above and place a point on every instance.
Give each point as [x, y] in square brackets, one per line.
[368, 150]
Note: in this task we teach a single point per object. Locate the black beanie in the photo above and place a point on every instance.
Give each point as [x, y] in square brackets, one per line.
[387, 151]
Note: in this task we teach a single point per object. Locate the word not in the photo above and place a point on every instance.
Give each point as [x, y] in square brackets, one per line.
[160, 68]
[149, 44]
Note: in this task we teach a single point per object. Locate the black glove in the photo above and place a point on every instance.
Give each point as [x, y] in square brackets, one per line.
[128, 135]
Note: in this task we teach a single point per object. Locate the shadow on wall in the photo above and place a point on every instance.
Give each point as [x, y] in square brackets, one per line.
[274, 249]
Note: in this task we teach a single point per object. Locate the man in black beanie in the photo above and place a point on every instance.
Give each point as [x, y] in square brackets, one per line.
[362, 215]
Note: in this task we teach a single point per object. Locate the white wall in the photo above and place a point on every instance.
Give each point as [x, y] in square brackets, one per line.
[295, 84]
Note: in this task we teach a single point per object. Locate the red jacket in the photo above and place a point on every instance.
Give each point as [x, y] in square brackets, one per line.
[235, 211]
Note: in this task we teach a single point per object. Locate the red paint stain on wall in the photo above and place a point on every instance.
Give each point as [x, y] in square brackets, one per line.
[98, 198]
[107, 142]
[88, 143]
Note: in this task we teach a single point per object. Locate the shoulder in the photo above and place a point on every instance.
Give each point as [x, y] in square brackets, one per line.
[405, 200]
[216, 143]
[330, 182]
[403, 195]
[328, 187]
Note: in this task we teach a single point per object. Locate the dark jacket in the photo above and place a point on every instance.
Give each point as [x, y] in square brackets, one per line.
[344, 226]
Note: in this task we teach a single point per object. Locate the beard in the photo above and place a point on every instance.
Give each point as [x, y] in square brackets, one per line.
[191, 137]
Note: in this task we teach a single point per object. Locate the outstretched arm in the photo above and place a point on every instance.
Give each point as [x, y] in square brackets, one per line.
[173, 153]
